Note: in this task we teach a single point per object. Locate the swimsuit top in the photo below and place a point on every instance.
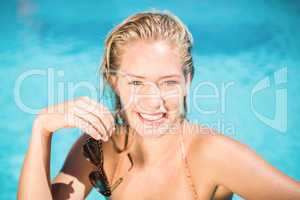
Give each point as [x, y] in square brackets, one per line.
[187, 169]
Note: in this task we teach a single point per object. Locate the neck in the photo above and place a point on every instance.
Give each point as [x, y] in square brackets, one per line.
[151, 151]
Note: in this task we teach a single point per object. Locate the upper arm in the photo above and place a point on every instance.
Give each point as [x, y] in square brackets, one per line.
[72, 182]
[247, 174]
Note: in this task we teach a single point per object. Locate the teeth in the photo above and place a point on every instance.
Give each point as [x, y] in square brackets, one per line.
[151, 117]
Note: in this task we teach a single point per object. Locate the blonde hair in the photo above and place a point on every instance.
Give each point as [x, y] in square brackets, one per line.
[150, 25]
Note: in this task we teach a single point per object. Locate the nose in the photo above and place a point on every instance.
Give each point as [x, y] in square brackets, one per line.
[150, 100]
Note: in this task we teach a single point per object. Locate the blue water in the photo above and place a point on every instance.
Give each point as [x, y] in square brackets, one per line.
[239, 45]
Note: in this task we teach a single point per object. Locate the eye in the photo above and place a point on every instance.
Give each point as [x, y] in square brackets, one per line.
[170, 82]
[135, 83]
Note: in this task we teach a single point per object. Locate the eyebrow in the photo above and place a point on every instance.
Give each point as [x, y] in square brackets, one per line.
[162, 77]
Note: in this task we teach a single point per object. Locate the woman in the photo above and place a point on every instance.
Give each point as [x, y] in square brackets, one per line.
[157, 153]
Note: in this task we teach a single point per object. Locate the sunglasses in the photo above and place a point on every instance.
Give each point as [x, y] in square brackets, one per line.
[92, 150]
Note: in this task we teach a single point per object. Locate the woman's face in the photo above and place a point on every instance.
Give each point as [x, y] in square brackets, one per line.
[151, 86]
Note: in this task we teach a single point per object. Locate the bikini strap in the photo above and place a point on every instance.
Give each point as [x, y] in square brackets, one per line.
[116, 171]
[123, 154]
[187, 169]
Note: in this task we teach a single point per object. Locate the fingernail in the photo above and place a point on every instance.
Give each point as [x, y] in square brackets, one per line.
[113, 129]
[98, 137]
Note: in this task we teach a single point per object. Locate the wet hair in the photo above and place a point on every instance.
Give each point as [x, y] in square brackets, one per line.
[147, 26]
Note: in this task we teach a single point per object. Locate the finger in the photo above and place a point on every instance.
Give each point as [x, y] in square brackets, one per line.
[98, 107]
[100, 111]
[92, 119]
[88, 128]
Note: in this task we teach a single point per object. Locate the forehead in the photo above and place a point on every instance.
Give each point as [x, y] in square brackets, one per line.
[151, 59]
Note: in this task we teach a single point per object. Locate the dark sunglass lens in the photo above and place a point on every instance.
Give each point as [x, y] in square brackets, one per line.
[100, 183]
[91, 150]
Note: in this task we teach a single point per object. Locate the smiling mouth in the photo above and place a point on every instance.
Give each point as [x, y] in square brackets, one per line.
[152, 119]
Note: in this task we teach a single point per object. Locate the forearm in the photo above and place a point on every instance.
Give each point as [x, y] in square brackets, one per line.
[35, 181]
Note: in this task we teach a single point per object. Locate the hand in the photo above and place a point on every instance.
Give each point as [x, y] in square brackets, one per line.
[84, 113]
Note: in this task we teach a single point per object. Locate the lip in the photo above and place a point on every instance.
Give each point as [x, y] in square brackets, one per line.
[152, 122]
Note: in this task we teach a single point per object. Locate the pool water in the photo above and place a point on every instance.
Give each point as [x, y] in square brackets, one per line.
[246, 83]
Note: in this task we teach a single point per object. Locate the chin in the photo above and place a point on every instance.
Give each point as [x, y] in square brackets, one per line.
[150, 132]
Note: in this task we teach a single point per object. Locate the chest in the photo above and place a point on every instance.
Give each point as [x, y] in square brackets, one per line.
[165, 182]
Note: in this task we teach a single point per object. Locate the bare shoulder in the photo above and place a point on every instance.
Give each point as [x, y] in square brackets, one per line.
[207, 153]
[219, 151]
[207, 145]
[236, 167]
